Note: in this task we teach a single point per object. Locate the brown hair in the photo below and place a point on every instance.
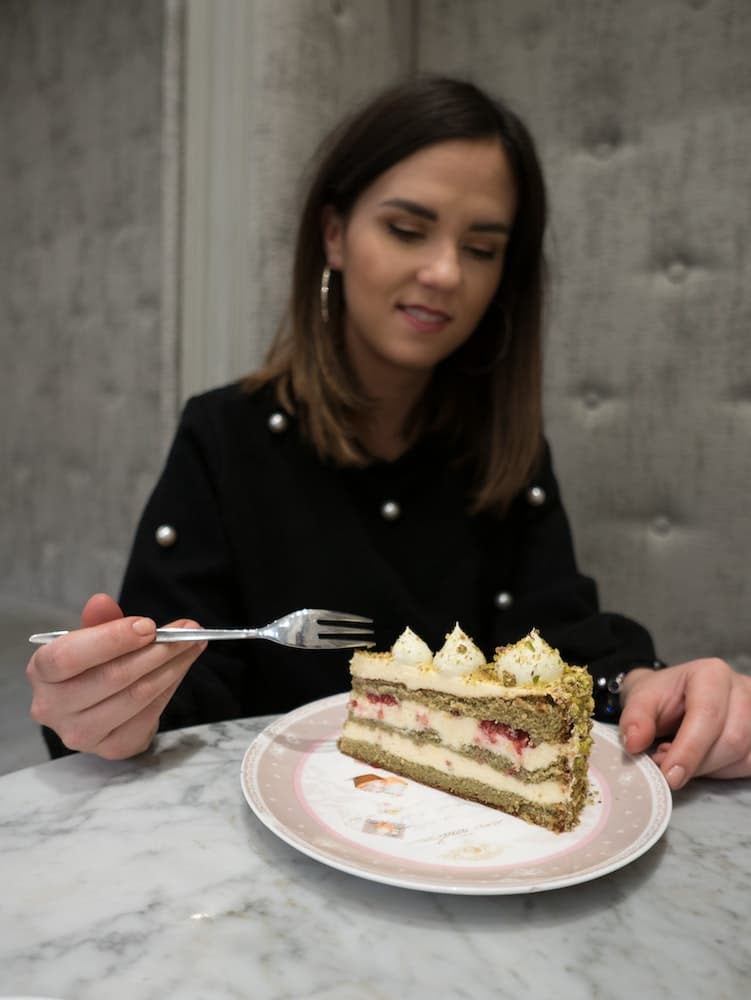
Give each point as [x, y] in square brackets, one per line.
[487, 396]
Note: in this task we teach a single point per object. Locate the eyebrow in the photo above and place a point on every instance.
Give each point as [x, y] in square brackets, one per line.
[415, 208]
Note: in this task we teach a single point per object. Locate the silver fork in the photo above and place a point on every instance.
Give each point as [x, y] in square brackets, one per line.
[310, 628]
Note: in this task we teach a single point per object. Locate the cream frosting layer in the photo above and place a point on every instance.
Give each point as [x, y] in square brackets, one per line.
[382, 667]
[450, 762]
[459, 731]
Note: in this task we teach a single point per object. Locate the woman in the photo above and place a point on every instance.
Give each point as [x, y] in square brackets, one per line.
[389, 460]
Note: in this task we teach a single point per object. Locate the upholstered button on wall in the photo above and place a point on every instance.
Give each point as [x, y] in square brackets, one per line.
[592, 399]
[503, 600]
[531, 30]
[536, 496]
[166, 535]
[661, 525]
[277, 422]
[677, 272]
[390, 510]
[604, 149]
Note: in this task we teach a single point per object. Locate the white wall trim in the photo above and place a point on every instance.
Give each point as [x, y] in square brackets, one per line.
[172, 170]
[216, 291]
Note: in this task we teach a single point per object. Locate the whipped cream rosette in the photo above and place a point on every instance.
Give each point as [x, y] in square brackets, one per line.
[410, 650]
[529, 661]
[459, 655]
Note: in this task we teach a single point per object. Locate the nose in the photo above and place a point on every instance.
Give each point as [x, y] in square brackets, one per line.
[441, 267]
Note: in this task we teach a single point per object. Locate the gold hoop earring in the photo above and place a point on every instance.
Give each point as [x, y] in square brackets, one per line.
[325, 279]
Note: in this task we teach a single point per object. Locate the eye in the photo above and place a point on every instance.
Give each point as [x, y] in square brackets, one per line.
[404, 233]
[483, 253]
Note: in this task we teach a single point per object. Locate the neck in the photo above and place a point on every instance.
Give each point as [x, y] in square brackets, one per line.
[388, 433]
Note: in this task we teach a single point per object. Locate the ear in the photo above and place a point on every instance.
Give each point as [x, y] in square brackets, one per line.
[332, 230]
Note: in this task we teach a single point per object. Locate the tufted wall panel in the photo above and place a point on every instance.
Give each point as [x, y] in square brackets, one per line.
[642, 112]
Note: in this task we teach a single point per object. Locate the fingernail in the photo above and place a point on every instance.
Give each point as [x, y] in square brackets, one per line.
[676, 776]
[631, 732]
[143, 626]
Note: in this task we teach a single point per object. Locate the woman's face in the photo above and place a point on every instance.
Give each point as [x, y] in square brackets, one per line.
[421, 255]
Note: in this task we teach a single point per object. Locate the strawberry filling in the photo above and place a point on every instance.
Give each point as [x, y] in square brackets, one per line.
[382, 699]
[491, 732]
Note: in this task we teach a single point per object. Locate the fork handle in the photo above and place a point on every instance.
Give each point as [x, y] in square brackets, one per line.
[170, 634]
[201, 634]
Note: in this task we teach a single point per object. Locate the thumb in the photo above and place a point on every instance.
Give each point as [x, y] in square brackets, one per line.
[99, 609]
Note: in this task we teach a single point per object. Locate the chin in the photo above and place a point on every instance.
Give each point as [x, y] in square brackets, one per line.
[421, 358]
[415, 365]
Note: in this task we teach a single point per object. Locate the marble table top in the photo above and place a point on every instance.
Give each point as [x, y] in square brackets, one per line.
[152, 878]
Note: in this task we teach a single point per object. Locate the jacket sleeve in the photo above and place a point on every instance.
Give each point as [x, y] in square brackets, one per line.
[194, 577]
[549, 592]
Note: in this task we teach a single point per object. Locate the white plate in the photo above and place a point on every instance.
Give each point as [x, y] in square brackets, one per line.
[402, 833]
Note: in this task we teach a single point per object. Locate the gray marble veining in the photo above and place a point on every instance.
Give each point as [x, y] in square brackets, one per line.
[152, 878]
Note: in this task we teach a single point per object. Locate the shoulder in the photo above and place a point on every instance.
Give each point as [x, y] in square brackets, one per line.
[231, 401]
[231, 411]
[237, 436]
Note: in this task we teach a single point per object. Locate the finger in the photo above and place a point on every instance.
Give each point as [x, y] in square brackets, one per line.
[733, 746]
[741, 769]
[104, 680]
[136, 735]
[81, 649]
[87, 729]
[641, 710]
[99, 609]
[706, 707]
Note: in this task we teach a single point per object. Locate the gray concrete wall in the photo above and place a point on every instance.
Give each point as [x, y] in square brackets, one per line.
[84, 383]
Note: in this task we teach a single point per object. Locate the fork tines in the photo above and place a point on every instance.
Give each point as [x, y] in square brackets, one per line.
[339, 624]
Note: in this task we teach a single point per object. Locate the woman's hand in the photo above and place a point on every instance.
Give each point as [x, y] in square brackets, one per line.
[704, 706]
[103, 688]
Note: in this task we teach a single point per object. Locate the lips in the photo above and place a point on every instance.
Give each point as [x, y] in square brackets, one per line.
[424, 318]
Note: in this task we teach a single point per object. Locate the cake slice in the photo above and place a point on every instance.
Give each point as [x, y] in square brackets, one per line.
[513, 733]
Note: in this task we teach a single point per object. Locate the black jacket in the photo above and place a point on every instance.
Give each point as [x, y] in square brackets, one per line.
[263, 527]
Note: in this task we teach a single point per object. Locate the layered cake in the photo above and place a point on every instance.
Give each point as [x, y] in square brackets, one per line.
[513, 733]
